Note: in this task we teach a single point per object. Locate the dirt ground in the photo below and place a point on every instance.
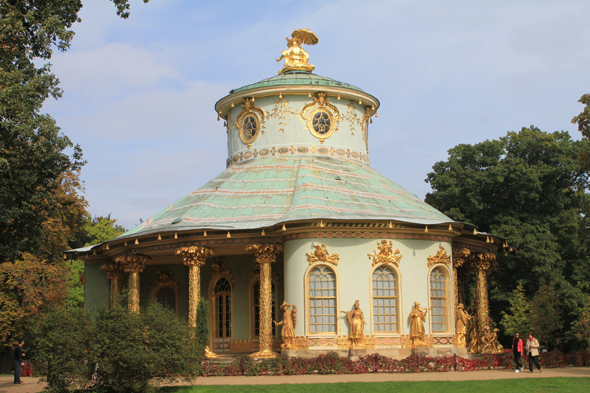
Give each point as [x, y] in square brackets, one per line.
[32, 385]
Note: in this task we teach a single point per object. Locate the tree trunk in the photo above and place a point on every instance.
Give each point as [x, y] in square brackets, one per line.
[6, 361]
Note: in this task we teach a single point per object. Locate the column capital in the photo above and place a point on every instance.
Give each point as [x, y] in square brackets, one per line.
[195, 256]
[460, 256]
[112, 269]
[264, 253]
[132, 261]
[485, 261]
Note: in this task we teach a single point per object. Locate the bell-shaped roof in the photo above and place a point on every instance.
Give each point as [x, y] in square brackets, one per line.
[268, 191]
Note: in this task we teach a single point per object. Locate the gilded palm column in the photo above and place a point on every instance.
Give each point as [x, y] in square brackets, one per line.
[264, 255]
[133, 263]
[194, 258]
[115, 275]
[460, 256]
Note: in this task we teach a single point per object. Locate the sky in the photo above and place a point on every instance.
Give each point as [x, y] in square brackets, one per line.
[139, 94]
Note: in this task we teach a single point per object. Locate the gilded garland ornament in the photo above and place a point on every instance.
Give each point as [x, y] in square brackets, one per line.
[250, 122]
[321, 117]
[385, 255]
[365, 126]
[321, 254]
[440, 257]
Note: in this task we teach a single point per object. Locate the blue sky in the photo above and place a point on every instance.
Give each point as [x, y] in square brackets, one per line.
[139, 93]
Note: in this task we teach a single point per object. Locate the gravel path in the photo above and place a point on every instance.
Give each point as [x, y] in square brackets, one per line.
[31, 385]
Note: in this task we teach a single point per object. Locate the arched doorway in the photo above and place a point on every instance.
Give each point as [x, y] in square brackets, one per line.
[222, 326]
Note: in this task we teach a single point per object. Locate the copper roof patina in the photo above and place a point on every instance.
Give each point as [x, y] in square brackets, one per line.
[264, 192]
[296, 78]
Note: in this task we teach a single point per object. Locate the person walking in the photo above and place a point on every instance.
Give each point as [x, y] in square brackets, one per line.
[532, 350]
[18, 361]
[517, 350]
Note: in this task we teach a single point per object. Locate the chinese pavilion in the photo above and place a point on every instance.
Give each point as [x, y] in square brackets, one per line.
[300, 218]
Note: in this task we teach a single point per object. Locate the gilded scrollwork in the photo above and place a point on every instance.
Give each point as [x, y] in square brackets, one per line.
[385, 254]
[321, 254]
[250, 122]
[321, 118]
[281, 109]
[440, 257]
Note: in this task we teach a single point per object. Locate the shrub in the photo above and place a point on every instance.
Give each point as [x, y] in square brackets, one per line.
[130, 349]
[58, 342]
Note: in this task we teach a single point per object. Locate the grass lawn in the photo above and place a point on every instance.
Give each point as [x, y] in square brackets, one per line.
[494, 386]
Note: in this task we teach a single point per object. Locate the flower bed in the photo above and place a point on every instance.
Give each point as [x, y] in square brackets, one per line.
[376, 363]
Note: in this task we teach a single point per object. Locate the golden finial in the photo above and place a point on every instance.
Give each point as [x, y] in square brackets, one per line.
[297, 59]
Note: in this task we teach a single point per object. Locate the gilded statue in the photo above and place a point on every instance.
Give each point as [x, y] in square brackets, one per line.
[490, 342]
[461, 320]
[321, 254]
[357, 323]
[296, 58]
[386, 255]
[288, 322]
[417, 319]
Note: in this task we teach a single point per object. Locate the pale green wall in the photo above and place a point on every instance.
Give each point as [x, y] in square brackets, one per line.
[96, 289]
[354, 271]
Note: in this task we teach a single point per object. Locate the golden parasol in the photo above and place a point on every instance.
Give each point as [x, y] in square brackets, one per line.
[306, 36]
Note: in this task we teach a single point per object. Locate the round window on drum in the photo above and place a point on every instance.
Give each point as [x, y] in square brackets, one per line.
[249, 128]
[321, 123]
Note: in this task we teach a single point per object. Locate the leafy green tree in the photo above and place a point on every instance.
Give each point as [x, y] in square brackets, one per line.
[518, 320]
[581, 326]
[101, 229]
[529, 188]
[546, 314]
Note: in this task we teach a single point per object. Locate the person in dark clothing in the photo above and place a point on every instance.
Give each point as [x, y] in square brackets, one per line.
[559, 346]
[517, 350]
[18, 361]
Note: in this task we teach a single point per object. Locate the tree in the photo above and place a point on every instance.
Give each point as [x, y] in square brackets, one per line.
[581, 326]
[519, 319]
[529, 188]
[33, 152]
[101, 229]
[546, 314]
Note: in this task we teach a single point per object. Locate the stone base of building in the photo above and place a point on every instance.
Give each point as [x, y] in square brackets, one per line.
[394, 353]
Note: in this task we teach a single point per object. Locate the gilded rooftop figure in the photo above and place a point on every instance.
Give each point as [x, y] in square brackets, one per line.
[296, 58]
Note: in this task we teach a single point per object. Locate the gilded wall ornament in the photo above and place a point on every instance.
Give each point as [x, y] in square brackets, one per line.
[440, 257]
[365, 126]
[322, 255]
[164, 279]
[321, 117]
[281, 109]
[250, 122]
[385, 255]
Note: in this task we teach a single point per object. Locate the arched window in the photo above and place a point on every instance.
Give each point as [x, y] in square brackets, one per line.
[322, 300]
[166, 296]
[438, 300]
[256, 308]
[384, 300]
[222, 310]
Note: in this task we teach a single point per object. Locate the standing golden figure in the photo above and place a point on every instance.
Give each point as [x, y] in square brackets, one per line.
[288, 322]
[357, 323]
[461, 320]
[417, 319]
[297, 59]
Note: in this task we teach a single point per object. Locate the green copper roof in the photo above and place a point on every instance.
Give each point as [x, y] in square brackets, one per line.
[268, 191]
[296, 78]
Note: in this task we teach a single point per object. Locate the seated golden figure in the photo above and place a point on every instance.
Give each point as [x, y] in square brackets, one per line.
[296, 58]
